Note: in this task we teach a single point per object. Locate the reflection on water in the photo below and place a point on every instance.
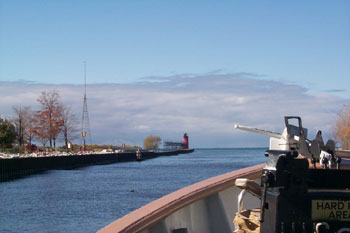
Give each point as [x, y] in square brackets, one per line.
[87, 199]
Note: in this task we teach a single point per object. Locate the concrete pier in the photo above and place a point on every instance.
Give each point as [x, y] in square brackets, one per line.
[13, 168]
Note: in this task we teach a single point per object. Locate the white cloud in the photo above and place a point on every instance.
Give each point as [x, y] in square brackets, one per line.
[204, 106]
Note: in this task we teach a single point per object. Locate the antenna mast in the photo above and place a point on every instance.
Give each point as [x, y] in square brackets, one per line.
[85, 125]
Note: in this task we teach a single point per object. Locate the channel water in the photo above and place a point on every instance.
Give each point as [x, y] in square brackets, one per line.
[87, 199]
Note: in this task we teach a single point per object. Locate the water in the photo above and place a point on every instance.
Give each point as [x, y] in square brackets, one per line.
[87, 199]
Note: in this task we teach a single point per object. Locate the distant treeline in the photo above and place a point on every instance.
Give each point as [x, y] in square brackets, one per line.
[32, 148]
[53, 121]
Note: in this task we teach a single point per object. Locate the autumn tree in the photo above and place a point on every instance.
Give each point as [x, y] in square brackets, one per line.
[7, 133]
[151, 142]
[22, 122]
[342, 127]
[41, 128]
[49, 118]
[69, 125]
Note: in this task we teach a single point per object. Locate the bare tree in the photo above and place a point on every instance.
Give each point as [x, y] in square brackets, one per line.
[69, 125]
[342, 127]
[24, 122]
[21, 123]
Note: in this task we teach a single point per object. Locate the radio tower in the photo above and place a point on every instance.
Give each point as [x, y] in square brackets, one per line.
[85, 125]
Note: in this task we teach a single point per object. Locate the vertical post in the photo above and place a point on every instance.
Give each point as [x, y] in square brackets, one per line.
[85, 125]
[83, 136]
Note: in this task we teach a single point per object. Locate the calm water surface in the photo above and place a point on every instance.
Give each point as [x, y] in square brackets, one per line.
[87, 199]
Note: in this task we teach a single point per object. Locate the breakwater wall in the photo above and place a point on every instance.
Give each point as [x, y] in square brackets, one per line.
[19, 167]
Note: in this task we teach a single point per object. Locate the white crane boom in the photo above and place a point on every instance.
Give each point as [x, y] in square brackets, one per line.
[261, 131]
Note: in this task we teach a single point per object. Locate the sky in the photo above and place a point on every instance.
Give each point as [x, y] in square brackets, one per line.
[169, 67]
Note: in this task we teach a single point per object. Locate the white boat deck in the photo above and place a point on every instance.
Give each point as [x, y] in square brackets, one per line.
[207, 206]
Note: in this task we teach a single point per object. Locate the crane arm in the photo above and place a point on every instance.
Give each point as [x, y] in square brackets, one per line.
[261, 131]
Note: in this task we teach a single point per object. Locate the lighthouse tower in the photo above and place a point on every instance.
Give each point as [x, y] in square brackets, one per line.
[185, 143]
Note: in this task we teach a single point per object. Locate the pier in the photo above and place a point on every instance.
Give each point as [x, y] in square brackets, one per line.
[18, 167]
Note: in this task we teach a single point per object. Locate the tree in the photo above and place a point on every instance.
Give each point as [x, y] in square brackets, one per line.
[151, 142]
[69, 125]
[342, 127]
[49, 118]
[7, 133]
[30, 132]
[22, 122]
[40, 128]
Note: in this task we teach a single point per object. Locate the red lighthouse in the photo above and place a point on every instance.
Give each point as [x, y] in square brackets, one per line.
[185, 144]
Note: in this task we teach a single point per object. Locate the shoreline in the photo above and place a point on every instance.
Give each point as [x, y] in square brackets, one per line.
[19, 167]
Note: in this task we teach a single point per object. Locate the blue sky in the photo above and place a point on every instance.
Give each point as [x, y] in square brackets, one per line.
[297, 45]
[302, 42]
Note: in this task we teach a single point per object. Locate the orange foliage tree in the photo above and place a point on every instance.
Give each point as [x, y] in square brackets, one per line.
[48, 120]
[342, 127]
[151, 142]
